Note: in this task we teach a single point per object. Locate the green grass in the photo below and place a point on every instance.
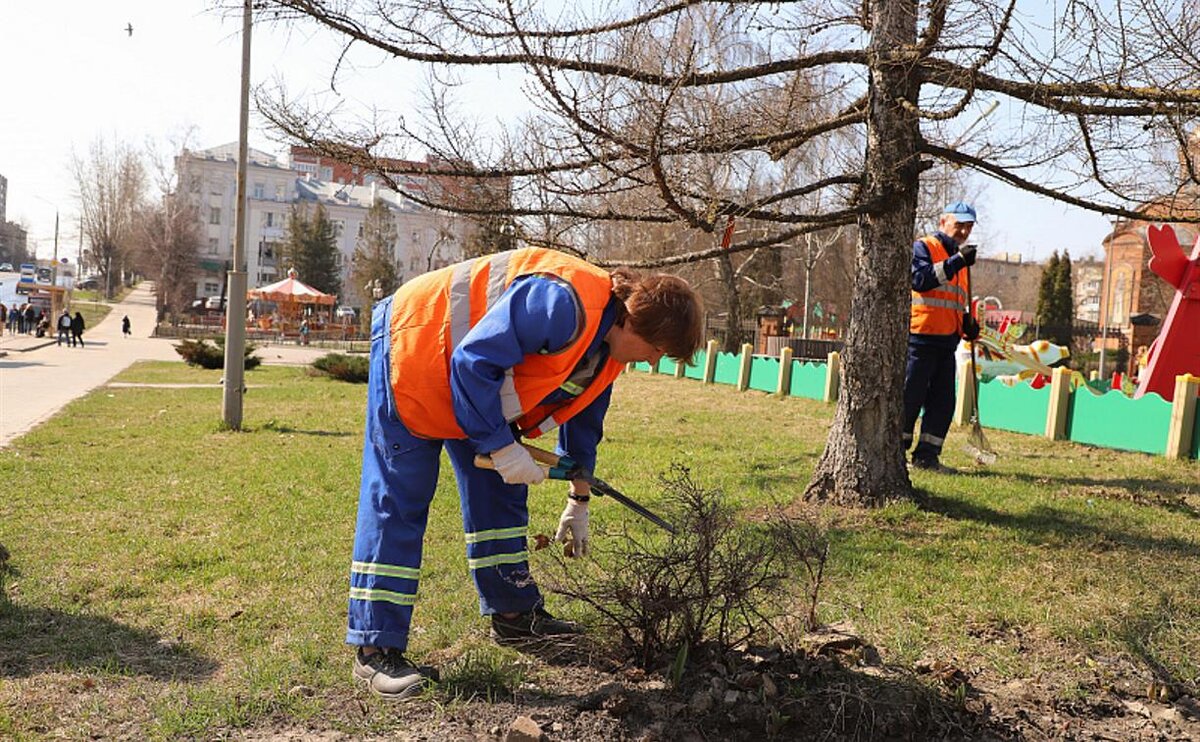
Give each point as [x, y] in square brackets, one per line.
[92, 312]
[169, 578]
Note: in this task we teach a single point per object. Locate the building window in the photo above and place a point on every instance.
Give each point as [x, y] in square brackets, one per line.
[304, 167]
[260, 190]
[339, 226]
[214, 246]
[270, 218]
[360, 229]
[212, 288]
[214, 215]
[280, 192]
[326, 173]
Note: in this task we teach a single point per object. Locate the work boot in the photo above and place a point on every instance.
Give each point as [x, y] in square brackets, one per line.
[930, 464]
[533, 624]
[391, 675]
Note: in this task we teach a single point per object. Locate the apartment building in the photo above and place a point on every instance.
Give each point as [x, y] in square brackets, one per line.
[427, 238]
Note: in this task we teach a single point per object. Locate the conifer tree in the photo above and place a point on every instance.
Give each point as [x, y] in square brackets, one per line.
[374, 252]
[1046, 289]
[311, 248]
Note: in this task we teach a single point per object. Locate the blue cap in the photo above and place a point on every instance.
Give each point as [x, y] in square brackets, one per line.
[960, 210]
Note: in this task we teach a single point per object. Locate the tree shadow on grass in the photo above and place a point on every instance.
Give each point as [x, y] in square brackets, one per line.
[1044, 525]
[1150, 492]
[277, 428]
[37, 640]
[1136, 630]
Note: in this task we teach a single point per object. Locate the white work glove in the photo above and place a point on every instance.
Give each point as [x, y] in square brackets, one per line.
[573, 529]
[516, 466]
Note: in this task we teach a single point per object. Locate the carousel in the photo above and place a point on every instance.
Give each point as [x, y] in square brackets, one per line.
[288, 305]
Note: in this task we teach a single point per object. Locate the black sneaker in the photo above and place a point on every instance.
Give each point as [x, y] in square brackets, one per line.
[391, 675]
[533, 624]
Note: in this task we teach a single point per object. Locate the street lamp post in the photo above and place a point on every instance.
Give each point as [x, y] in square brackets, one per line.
[235, 309]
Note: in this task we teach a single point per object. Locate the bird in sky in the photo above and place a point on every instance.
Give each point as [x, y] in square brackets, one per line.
[129, 29]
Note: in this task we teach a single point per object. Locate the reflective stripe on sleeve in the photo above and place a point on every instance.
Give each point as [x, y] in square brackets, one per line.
[510, 402]
[939, 270]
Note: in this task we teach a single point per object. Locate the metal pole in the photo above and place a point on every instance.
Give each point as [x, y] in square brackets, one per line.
[1105, 309]
[807, 284]
[54, 265]
[235, 310]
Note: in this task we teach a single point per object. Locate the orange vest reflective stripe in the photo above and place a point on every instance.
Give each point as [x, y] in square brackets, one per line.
[432, 313]
[940, 310]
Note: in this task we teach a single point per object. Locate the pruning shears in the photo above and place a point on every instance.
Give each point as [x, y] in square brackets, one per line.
[567, 469]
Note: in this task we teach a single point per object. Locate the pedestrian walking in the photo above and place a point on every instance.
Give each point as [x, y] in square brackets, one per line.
[64, 328]
[471, 358]
[940, 315]
[3, 317]
[77, 327]
[125, 329]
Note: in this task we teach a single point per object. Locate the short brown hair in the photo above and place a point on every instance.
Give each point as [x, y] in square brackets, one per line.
[663, 310]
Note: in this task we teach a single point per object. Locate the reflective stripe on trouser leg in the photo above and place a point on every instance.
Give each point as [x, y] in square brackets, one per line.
[496, 520]
[399, 476]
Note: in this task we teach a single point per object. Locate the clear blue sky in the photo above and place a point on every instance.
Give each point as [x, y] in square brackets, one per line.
[72, 74]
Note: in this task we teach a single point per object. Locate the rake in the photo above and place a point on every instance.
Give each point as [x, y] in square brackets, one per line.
[977, 444]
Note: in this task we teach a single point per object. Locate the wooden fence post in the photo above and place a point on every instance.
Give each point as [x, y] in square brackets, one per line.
[785, 372]
[743, 382]
[710, 362]
[1060, 399]
[833, 368]
[964, 400]
[1183, 417]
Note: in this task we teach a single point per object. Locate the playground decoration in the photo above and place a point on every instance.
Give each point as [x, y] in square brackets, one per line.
[1176, 350]
[998, 356]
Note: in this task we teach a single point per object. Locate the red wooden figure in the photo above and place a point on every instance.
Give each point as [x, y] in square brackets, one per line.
[1176, 350]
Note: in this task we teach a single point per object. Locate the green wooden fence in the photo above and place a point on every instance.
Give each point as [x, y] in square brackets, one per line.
[1111, 420]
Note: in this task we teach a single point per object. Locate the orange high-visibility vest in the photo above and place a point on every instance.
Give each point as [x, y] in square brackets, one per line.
[939, 311]
[432, 313]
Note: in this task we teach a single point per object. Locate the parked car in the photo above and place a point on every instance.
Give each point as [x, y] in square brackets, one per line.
[88, 284]
[7, 267]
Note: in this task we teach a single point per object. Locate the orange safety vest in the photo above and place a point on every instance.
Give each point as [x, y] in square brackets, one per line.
[939, 311]
[433, 313]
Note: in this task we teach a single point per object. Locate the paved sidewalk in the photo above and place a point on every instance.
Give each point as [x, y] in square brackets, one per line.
[37, 379]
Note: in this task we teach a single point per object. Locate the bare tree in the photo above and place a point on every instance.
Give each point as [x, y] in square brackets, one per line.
[111, 182]
[167, 236]
[648, 96]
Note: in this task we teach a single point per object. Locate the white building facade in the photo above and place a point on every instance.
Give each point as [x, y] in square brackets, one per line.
[426, 239]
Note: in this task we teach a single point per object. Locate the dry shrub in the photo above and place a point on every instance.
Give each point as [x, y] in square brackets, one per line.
[721, 580]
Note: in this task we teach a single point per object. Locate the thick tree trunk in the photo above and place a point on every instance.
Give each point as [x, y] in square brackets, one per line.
[863, 463]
